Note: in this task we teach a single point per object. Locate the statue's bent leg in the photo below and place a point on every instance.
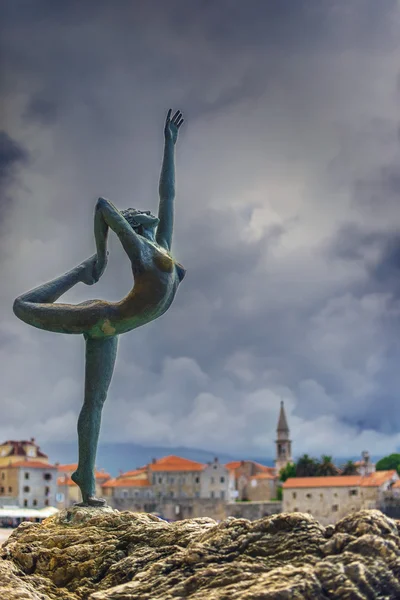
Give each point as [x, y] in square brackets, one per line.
[100, 361]
[37, 309]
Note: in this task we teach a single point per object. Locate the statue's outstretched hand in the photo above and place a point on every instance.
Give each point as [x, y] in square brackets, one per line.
[172, 126]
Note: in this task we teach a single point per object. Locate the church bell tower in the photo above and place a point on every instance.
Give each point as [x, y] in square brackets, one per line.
[283, 443]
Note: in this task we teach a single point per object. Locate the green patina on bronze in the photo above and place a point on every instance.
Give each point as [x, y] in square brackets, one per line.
[146, 240]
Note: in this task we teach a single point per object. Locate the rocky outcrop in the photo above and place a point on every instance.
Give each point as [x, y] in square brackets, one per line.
[102, 554]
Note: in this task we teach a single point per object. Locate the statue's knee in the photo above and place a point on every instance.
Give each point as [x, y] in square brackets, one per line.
[17, 307]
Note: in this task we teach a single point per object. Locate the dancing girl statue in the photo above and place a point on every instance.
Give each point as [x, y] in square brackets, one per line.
[146, 240]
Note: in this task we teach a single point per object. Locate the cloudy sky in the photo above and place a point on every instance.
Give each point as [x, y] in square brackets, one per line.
[287, 216]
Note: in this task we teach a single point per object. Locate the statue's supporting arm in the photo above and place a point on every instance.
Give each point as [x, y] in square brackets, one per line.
[167, 181]
[107, 216]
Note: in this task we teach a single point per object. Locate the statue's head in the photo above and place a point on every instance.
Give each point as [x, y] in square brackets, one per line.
[142, 221]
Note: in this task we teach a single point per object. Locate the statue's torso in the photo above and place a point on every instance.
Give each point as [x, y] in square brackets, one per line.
[157, 277]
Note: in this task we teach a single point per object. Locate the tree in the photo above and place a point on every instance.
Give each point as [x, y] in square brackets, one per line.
[288, 471]
[306, 466]
[349, 468]
[326, 467]
[388, 463]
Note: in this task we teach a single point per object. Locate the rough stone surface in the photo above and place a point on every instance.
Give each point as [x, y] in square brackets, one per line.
[102, 554]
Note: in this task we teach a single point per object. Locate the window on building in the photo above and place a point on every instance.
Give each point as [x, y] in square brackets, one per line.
[46, 491]
[34, 502]
[197, 480]
[321, 496]
[171, 493]
[295, 509]
[46, 503]
[1, 490]
[308, 495]
[2, 476]
[211, 494]
[26, 475]
[335, 508]
[171, 480]
[335, 495]
[25, 503]
[10, 490]
[222, 479]
[154, 479]
[27, 489]
[353, 492]
[215, 466]
[197, 494]
[294, 495]
[47, 476]
[160, 480]
[222, 494]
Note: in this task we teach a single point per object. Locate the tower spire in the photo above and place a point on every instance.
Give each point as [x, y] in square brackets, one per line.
[282, 422]
[282, 442]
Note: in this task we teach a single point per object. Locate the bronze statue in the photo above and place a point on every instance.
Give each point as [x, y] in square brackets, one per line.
[146, 240]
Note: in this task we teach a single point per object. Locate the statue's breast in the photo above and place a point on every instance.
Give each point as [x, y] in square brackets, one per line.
[163, 261]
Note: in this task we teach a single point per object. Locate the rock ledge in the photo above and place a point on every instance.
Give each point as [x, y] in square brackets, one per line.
[103, 554]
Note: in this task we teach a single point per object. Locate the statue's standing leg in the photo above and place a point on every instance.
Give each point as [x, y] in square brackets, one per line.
[100, 361]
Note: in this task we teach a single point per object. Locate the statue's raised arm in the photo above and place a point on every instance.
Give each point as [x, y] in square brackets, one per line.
[167, 181]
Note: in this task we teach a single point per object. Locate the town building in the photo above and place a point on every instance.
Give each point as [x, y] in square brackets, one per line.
[253, 481]
[329, 499]
[175, 477]
[130, 489]
[27, 479]
[28, 484]
[365, 466]
[217, 481]
[13, 451]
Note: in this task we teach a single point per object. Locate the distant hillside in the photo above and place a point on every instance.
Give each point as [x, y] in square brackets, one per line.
[114, 457]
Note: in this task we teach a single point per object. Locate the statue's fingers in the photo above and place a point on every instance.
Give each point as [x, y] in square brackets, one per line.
[169, 114]
[180, 123]
[176, 115]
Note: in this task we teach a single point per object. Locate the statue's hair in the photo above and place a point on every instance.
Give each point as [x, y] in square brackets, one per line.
[131, 213]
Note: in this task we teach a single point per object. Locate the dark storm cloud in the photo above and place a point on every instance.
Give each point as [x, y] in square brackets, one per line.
[290, 133]
[12, 155]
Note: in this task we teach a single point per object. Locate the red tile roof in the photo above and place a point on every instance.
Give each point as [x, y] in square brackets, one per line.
[260, 476]
[234, 464]
[30, 464]
[373, 480]
[126, 483]
[65, 468]
[176, 463]
[135, 473]
[17, 447]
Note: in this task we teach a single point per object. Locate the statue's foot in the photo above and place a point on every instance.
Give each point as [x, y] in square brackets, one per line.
[92, 501]
[87, 500]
